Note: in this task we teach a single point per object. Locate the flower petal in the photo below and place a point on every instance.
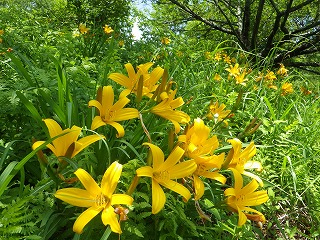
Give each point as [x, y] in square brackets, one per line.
[158, 197]
[121, 199]
[84, 218]
[53, 127]
[126, 114]
[107, 99]
[146, 171]
[95, 103]
[198, 187]
[216, 176]
[118, 127]
[109, 217]
[250, 187]
[182, 170]
[249, 174]
[242, 218]
[97, 122]
[157, 155]
[84, 142]
[75, 196]
[110, 179]
[177, 187]
[172, 159]
[88, 182]
[238, 180]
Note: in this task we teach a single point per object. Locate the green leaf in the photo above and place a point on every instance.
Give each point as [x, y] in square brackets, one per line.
[34, 112]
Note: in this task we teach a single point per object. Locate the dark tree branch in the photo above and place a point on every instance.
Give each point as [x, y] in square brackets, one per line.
[307, 27]
[246, 23]
[199, 18]
[255, 29]
[301, 5]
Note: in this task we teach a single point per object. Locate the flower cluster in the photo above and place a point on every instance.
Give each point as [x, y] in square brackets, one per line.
[191, 161]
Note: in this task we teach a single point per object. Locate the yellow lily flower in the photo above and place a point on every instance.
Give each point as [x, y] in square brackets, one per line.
[162, 173]
[270, 76]
[112, 113]
[217, 112]
[96, 199]
[107, 29]
[196, 141]
[240, 78]
[131, 81]
[282, 70]
[167, 109]
[207, 167]
[233, 70]
[286, 88]
[83, 29]
[239, 160]
[239, 198]
[66, 145]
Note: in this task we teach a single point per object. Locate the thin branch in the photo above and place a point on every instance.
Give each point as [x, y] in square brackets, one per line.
[307, 27]
[301, 5]
[199, 18]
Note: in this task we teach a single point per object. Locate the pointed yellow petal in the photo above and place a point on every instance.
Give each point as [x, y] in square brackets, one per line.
[216, 176]
[230, 192]
[198, 187]
[172, 159]
[249, 188]
[238, 180]
[157, 156]
[177, 187]
[131, 72]
[249, 174]
[110, 179]
[158, 197]
[84, 142]
[84, 218]
[75, 196]
[53, 127]
[110, 218]
[182, 170]
[242, 218]
[126, 114]
[95, 103]
[120, 104]
[121, 199]
[107, 99]
[37, 144]
[256, 198]
[88, 182]
[146, 171]
[236, 145]
[118, 127]
[122, 80]
[97, 122]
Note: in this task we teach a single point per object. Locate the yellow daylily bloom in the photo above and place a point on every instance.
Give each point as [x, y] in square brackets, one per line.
[240, 198]
[286, 89]
[217, 77]
[239, 160]
[282, 70]
[270, 76]
[111, 113]
[96, 199]
[233, 70]
[167, 109]
[196, 141]
[107, 29]
[240, 78]
[83, 29]
[67, 145]
[131, 81]
[165, 40]
[163, 171]
[207, 167]
[217, 112]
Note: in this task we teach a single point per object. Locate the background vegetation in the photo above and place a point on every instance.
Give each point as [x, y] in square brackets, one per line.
[45, 60]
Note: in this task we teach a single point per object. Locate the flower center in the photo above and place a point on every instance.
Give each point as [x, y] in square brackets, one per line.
[240, 198]
[162, 176]
[109, 116]
[101, 200]
[200, 170]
